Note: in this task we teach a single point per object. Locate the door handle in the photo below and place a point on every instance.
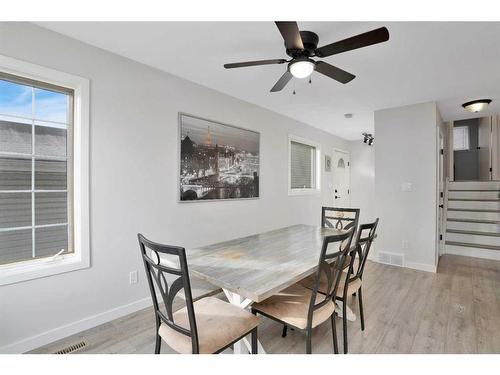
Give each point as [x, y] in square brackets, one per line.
[441, 206]
[336, 197]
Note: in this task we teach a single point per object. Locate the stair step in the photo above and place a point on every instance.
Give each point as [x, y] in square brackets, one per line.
[472, 210]
[474, 204]
[473, 232]
[469, 236]
[481, 190]
[473, 245]
[470, 194]
[475, 199]
[474, 185]
[473, 225]
[473, 215]
[474, 221]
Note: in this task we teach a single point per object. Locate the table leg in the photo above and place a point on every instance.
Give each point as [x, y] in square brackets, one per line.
[350, 314]
[243, 346]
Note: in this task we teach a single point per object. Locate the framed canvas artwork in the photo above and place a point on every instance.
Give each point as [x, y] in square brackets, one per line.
[217, 161]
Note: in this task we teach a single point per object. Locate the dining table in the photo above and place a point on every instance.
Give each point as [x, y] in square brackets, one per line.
[252, 268]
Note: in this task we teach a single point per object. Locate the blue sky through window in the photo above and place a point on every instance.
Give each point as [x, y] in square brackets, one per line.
[50, 105]
[16, 100]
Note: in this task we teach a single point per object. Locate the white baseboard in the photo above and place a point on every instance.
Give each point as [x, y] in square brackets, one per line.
[373, 256]
[58, 333]
[421, 267]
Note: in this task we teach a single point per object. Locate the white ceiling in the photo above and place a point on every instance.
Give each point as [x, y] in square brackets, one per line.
[447, 62]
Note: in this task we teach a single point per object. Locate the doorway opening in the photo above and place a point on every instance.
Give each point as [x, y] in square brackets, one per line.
[474, 149]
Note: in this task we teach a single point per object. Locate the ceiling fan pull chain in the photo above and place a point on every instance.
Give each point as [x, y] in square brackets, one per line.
[310, 81]
[293, 87]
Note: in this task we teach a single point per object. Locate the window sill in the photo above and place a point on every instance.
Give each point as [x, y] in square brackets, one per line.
[293, 192]
[19, 272]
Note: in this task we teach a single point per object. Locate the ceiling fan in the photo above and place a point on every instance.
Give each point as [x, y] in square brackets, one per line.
[301, 46]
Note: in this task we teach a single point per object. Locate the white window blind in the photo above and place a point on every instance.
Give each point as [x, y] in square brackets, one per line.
[461, 138]
[35, 160]
[302, 166]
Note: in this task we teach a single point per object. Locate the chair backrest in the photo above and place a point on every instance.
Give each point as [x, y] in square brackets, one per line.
[331, 264]
[339, 218]
[156, 271]
[363, 243]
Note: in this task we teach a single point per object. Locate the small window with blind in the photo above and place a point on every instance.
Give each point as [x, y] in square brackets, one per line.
[35, 160]
[303, 166]
[43, 183]
[461, 138]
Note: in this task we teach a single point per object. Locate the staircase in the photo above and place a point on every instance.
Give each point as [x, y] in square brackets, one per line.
[473, 219]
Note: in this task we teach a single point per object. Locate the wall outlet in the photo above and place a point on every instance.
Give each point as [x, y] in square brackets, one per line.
[404, 244]
[133, 277]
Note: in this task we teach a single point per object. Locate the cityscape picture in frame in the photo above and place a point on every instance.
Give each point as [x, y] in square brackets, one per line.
[217, 161]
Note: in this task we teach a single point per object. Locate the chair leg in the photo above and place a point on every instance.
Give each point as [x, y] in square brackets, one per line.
[334, 334]
[285, 328]
[344, 323]
[254, 341]
[158, 344]
[308, 341]
[361, 315]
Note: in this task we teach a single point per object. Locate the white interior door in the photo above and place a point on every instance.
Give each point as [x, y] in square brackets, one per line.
[484, 148]
[341, 179]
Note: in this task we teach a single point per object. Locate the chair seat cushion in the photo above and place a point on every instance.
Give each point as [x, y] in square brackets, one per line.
[309, 281]
[219, 323]
[292, 305]
[352, 287]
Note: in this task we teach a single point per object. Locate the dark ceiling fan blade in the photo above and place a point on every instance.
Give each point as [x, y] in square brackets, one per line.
[359, 41]
[334, 72]
[285, 78]
[254, 63]
[290, 32]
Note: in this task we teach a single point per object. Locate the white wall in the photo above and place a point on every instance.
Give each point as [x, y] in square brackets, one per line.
[133, 185]
[363, 185]
[363, 180]
[405, 151]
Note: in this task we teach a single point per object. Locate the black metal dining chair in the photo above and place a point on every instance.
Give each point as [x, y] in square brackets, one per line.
[340, 218]
[351, 280]
[208, 325]
[350, 285]
[304, 308]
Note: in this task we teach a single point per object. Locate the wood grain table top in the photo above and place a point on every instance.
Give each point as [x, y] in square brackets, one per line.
[258, 266]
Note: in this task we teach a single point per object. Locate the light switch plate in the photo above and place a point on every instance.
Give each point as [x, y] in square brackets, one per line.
[133, 277]
[406, 186]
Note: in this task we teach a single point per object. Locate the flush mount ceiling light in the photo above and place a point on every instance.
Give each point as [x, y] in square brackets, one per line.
[476, 105]
[301, 68]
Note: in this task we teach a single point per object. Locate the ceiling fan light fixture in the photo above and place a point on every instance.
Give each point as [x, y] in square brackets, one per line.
[476, 105]
[301, 68]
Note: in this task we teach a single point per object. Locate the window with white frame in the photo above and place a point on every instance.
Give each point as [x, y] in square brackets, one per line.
[461, 138]
[303, 166]
[43, 197]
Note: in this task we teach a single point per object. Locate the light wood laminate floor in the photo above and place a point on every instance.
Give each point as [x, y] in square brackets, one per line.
[456, 310]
